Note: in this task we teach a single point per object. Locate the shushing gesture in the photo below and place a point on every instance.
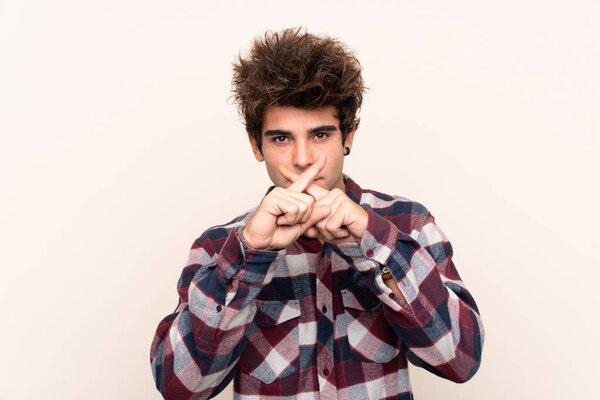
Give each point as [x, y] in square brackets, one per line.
[305, 208]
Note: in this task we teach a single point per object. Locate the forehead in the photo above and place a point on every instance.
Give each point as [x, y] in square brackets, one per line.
[298, 120]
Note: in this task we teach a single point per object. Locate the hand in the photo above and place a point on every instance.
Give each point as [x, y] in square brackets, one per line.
[285, 214]
[346, 222]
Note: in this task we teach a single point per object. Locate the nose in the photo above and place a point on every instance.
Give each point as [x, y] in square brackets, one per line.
[303, 155]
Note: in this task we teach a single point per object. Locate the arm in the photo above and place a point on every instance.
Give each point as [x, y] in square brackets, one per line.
[427, 304]
[195, 349]
[435, 317]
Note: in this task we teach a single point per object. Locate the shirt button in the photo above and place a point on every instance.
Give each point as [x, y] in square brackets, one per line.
[324, 309]
[219, 308]
[238, 260]
[392, 295]
[369, 253]
[265, 320]
[325, 372]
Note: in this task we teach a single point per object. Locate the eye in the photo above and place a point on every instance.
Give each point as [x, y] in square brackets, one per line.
[279, 139]
[321, 135]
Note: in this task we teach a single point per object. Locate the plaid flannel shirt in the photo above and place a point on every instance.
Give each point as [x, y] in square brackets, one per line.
[316, 321]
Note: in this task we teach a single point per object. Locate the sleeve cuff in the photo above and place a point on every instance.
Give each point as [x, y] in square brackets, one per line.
[376, 244]
[251, 264]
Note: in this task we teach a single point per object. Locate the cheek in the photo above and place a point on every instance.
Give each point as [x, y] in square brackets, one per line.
[273, 172]
[337, 163]
[271, 168]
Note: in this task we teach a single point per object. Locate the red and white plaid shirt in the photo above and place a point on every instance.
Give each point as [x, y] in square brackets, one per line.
[316, 321]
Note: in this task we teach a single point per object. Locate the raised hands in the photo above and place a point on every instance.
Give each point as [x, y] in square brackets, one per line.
[285, 214]
[305, 208]
[346, 220]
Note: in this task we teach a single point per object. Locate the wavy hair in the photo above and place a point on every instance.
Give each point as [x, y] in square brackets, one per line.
[294, 68]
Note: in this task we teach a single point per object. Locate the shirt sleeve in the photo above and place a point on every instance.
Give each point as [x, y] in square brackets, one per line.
[195, 348]
[438, 322]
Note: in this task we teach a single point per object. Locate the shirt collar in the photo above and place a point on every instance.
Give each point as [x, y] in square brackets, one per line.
[353, 191]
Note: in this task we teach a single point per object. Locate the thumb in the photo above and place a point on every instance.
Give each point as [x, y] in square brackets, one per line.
[318, 213]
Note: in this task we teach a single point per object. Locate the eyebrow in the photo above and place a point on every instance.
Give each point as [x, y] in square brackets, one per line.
[279, 132]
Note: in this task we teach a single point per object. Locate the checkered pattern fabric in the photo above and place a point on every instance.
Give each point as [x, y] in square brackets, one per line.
[316, 321]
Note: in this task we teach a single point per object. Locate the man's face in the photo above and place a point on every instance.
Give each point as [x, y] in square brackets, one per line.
[294, 137]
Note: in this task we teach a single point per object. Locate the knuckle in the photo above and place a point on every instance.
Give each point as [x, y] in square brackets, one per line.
[331, 227]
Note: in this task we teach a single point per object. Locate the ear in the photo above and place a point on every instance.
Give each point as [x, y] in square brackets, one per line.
[257, 154]
[350, 138]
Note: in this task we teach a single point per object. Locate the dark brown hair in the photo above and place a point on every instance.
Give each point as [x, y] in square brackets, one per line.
[297, 69]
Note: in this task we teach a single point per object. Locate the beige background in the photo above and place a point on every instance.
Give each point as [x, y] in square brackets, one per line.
[119, 147]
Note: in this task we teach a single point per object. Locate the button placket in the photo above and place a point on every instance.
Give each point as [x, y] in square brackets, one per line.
[325, 324]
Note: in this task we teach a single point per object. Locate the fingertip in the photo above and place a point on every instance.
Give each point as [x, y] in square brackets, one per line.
[282, 169]
[311, 232]
[321, 159]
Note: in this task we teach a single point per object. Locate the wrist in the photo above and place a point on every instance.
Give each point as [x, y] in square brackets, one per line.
[243, 239]
[247, 242]
[363, 222]
[360, 223]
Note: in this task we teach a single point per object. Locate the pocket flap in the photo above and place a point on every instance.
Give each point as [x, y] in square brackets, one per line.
[270, 313]
[361, 299]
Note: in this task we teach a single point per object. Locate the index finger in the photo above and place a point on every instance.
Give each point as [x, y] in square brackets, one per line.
[307, 177]
[313, 189]
[316, 191]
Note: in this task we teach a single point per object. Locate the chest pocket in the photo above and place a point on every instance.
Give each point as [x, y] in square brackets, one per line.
[369, 335]
[272, 350]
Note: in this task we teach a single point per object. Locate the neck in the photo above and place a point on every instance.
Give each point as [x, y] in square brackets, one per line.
[341, 184]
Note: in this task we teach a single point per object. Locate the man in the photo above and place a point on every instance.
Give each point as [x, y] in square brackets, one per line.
[325, 289]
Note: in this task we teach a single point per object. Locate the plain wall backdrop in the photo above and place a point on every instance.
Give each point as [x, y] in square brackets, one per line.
[119, 146]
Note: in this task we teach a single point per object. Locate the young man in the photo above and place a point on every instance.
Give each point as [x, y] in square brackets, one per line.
[326, 289]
